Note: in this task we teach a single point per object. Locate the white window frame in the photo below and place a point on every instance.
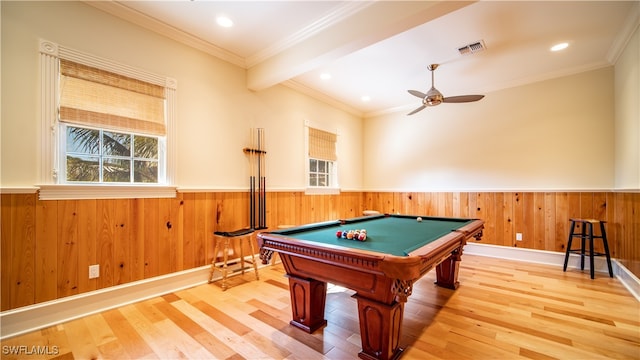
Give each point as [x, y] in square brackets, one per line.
[333, 187]
[51, 187]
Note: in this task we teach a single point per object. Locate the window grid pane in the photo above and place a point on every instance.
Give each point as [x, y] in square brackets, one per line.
[116, 170]
[116, 144]
[83, 141]
[145, 171]
[83, 168]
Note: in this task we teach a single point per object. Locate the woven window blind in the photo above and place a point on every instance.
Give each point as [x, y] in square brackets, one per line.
[322, 145]
[94, 97]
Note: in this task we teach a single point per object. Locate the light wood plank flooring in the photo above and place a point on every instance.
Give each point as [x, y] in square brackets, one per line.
[502, 310]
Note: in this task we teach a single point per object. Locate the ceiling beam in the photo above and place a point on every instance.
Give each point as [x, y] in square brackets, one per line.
[374, 23]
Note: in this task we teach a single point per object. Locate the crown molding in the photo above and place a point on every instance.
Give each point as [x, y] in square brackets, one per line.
[622, 39]
[120, 10]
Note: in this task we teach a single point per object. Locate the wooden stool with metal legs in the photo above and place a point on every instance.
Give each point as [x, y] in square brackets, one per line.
[586, 234]
[221, 240]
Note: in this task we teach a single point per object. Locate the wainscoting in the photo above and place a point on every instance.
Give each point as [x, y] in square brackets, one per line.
[47, 246]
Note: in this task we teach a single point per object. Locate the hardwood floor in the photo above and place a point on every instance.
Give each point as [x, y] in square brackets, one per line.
[502, 310]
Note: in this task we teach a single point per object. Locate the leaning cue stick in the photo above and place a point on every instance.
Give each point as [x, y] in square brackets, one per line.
[259, 150]
[259, 177]
[263, 187]
[254, 143]
[252, 183]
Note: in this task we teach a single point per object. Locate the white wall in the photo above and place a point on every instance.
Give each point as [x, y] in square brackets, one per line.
[215, 110]
[627, 116]
[551, 135]
[556, 134]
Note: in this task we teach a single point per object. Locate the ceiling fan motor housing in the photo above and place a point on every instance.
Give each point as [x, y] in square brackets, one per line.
[433, 98]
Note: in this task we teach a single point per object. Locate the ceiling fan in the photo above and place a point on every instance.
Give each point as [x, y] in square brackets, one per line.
[434, 97]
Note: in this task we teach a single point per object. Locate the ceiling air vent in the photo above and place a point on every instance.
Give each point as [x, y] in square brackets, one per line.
[472, 48]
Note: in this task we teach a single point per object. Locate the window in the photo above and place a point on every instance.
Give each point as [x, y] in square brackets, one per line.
[101, 156]
[322, 159]
[320, 172]
[110, 104]
[104, 124]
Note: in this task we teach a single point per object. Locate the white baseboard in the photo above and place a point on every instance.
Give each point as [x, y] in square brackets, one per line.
[628, 279]
[33, 317]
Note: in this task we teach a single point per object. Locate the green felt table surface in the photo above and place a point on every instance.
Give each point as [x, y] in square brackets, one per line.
[390, 234]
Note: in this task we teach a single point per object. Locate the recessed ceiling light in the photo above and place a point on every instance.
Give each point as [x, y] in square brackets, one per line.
[325, 76]
[560, 46]
[366, 98]
[224, 21]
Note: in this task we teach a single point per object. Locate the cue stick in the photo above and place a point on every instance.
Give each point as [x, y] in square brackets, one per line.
[254, 144]
[262, 182]
[259, 182]
[252, 181]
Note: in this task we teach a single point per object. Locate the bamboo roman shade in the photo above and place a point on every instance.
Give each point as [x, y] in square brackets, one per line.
[322, 145]
[98, 98]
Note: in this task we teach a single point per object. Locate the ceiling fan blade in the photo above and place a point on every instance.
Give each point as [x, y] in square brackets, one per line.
[416, 110]
[462, 98]
[417, 94]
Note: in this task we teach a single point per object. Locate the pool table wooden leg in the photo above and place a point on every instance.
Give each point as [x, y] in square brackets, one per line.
[308, 298]
[447, 271]
[380, 326]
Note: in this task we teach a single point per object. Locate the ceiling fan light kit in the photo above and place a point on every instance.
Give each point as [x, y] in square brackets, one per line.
[434, 97]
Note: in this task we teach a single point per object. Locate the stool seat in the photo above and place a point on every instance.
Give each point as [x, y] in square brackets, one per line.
[586, 234]
[225, 237]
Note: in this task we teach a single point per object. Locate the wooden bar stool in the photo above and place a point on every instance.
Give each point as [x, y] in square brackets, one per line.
[586, 234]
[221, 239]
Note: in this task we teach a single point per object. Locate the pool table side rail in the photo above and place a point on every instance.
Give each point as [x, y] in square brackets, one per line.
[303, 228]
[326, 253]
[435, 252]
[473, 229]
[330, 223]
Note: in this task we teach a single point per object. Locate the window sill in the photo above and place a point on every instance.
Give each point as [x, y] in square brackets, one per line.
[77, 192]
[322, 191]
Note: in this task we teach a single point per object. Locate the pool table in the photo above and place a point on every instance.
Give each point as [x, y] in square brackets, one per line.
[397, 251]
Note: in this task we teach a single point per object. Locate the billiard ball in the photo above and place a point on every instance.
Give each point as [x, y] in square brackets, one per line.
[419, 219]
[339, 233]
[362, 236]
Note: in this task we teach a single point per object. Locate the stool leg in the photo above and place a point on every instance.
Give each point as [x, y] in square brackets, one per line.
[242, 254]
[253, 258]
[213, 261]
[566, 256]
[582, 247]
[606, 248]
[591, 262]
[225, 257]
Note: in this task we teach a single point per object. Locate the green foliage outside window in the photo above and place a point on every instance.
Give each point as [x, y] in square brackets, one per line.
[96, 156]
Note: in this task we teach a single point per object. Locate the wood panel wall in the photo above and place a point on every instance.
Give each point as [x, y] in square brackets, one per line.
[47, 246]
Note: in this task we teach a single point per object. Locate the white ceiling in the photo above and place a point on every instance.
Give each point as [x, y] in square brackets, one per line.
[382, 48]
